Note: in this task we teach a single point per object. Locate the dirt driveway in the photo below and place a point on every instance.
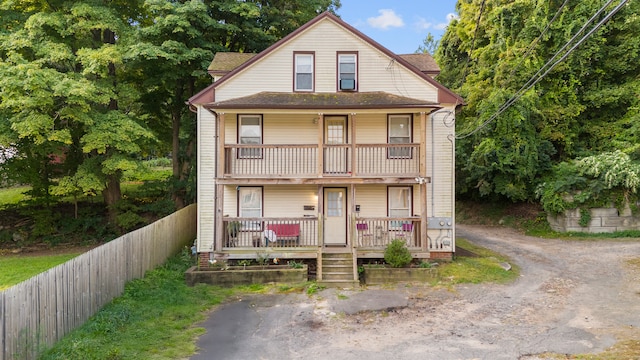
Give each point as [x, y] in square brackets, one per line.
[572, 297]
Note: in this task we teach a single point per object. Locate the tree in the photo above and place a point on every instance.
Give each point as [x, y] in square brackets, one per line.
[62, 96]
[429, 45]
[583, 106]
[176, 44]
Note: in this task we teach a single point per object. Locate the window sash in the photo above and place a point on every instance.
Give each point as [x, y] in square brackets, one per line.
[399, 203]
[250, 133]
[304, 72]
[400, 132]
[347, 67]
[250, 206]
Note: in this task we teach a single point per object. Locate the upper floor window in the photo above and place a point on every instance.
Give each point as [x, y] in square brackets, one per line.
[304, 69]
[250, 133]
[399, 132]
[347, 71]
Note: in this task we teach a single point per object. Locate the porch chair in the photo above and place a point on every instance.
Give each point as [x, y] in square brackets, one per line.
[364, 236]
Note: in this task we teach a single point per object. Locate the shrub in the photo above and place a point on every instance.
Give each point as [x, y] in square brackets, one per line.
[594, 181]
[396, 254]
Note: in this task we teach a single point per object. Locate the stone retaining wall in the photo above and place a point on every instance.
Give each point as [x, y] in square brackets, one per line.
[603, 220]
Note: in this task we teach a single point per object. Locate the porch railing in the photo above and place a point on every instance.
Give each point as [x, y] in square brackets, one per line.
[379, 232]
[272, 160]
[301, 161]
[388, 159]
[270, 232]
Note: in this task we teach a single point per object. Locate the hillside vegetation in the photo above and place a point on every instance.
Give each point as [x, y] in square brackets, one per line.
[571, 130]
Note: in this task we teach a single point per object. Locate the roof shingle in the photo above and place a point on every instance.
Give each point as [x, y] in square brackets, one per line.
[340, 100]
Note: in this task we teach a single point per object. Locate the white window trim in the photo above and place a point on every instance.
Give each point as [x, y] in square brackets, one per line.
[393, 225]
[402, 153]
[249, 153]
[295, 71]
[257, 191]
[355, 70]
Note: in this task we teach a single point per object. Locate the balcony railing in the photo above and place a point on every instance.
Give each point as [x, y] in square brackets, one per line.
[301, 161]
[271, 160]
[270, 232]
[379, 232]
[388, 159]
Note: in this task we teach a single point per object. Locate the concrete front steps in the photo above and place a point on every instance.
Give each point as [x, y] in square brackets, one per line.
[337, 270]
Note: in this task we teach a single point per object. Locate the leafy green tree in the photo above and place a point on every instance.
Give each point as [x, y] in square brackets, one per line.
[429, 45]
[66, 109]
[174, 46]
[587, 104]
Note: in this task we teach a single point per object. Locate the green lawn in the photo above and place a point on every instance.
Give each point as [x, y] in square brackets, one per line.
[15, 269]
[13, 195]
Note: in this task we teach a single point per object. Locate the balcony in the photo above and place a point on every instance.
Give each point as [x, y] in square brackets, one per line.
[303, 161]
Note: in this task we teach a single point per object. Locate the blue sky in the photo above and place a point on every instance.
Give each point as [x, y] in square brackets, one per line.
[399, 25]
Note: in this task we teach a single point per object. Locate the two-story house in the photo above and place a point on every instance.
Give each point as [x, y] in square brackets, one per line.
[324, 143]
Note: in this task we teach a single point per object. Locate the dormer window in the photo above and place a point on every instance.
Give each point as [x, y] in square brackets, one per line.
[304, 68]
[347, 71]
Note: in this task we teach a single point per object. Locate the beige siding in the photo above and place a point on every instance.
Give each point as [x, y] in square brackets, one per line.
[207, 155]
[279, 200]
[376, 71]
[230, 205]
[440, 202]
[372, 200]
[289, 201]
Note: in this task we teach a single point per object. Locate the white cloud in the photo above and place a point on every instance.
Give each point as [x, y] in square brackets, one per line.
[423, 24]
[450, 18]
[388, 18]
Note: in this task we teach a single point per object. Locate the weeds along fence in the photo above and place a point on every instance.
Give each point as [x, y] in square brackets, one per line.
[40, 311]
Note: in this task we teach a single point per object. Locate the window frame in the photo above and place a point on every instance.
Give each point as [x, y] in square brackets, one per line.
[241, 152]
[301, 54]
[395, 225]
[339, 72]
[246, 225]
[400, 153]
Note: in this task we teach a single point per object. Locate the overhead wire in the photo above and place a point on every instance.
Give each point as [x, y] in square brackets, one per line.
[535, 42]
[537, 77]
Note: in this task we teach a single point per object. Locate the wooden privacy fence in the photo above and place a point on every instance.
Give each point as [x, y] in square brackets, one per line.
[40, 311]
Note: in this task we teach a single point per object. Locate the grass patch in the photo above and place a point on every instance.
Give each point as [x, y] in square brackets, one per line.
[13, 195]
[15, 269]
[483, 268]
[154, 318]
[627, 349]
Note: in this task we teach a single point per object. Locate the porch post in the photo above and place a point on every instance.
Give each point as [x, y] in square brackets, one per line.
[423, 187]
[222, 157]
[423, 144]
[320, 144]
[354, 158]
[320, 217]
[219, 216]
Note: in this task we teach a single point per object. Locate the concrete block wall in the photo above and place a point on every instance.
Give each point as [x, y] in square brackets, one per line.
[603, 220]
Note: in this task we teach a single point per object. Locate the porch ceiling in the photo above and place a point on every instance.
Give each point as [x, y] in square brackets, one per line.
[340, 100]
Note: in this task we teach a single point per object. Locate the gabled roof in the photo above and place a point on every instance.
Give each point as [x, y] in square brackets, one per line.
[424, 62]
[224, 62]
[444, 95]
[340, 100]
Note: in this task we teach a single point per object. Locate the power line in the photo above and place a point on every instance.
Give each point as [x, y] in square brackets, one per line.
[551, 65]
[534, 42]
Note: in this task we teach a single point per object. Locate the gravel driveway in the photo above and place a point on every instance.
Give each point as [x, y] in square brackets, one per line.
[572, 297]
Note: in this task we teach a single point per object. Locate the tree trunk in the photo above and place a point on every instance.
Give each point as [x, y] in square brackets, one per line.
[111, 195]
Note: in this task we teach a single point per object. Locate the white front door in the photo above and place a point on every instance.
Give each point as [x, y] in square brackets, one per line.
[335, 137]
[335, 215]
